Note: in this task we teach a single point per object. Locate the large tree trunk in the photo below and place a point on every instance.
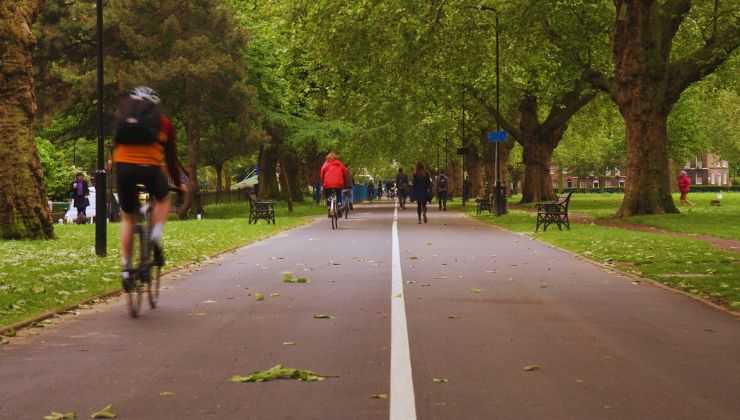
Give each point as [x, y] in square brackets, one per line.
[292, 175]
[23, 204]
[642, 45]
[648, 186]
[538, 145]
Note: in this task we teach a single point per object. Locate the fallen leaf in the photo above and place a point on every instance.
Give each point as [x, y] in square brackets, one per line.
[209, 301]
[279, 372]
[531, 368]
[379, 396]
[9, 333]
[105, 413]
[61, 416]
[426, 285]
[275, 294]
[289, 343]
[166, 394]
[4, 341]
[413, 258]
[397, 296]
[323, 316]
[259, 297]
[452, 316]
[475, 290]
[200, 313]
[440, 380]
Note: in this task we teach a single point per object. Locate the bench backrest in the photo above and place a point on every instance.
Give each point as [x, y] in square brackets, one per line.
[564, 200]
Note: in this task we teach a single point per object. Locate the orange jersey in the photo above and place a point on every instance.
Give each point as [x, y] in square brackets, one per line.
[146, 154]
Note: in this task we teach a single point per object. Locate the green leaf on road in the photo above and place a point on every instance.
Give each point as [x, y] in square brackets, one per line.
[475, 290]
[379, 396]
[61, 416]
[323, 316]
[440, 380]
[279, 372]
[289, 343]
[259, 297]
[288, 277]
[105, 413]
[275, 294]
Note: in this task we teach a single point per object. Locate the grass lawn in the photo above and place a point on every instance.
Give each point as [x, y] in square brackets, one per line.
[683, 263]
[722, 221]
[38, 276]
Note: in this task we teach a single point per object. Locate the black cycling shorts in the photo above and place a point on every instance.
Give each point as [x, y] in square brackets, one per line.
[129, 175]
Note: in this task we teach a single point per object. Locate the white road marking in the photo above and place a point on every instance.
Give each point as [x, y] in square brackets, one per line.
[403, 402]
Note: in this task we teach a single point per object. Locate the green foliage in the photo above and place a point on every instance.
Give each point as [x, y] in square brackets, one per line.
[58, 173]
[279, 372]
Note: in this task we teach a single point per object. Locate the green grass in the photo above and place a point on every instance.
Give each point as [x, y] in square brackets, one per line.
[703, 218]
[683, 263]
[38, 276]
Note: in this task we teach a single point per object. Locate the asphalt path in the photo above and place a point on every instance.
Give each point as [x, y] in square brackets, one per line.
[481, 305]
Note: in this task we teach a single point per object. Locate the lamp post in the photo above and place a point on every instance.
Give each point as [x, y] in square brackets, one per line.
[500, 194]
[101, 207]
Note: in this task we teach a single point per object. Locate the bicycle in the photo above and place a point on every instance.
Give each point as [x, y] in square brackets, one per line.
[142, 275]
[346, 203]
[333, 211]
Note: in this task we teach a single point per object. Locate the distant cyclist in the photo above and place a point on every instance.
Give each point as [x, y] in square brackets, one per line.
[144, 144]
[402, 183]
[333, 177]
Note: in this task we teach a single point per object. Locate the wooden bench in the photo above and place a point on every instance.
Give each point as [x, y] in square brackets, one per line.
[556, 212]
[484, 204]
[260, 209]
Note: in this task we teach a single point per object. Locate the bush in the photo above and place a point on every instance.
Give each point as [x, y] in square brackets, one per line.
[58, 175]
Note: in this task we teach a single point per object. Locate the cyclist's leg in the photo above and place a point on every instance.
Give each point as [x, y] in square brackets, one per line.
[126, 181]
[158, 187]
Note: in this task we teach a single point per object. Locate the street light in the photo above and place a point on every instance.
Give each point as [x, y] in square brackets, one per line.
[500, 194]
[101, 207]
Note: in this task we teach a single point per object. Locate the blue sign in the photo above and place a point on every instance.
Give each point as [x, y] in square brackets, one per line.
[496, 136]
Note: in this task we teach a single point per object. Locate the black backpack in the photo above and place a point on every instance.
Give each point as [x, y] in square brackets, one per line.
[137, 122]
[442, 183]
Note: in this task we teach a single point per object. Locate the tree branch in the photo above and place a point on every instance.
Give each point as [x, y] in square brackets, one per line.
[702, 61]
[562, 110]
[510, 128]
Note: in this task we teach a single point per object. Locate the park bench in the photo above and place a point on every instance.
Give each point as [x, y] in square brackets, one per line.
[556, 212]
[484, 204]
[260, 209]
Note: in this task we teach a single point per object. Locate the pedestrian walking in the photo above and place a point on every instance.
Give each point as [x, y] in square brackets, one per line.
[79, 193]
[442, 190]
[684, 185]
[421, 188]
[402, 183]
[370, 191]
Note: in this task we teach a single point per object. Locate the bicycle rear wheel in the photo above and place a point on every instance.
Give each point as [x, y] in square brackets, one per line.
[134, 296]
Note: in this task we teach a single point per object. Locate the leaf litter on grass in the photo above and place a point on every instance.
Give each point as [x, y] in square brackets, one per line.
[61, 416]
[280, 372]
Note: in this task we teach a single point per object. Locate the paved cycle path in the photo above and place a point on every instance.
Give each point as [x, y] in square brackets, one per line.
[481, 304]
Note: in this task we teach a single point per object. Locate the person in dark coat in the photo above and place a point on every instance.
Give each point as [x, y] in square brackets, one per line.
[80, 191]
[420, 190]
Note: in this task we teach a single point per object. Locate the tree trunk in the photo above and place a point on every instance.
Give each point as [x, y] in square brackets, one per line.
[267, 176]
[285, 182]
[227, 177]
[538, 145]
[648, 189]
[24, 213]
[219, 177]
[292, 177]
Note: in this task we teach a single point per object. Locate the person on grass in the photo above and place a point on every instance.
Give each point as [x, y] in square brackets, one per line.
[684, 185]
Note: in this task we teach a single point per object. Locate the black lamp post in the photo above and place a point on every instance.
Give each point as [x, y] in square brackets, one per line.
[101, 207]
[500, 193]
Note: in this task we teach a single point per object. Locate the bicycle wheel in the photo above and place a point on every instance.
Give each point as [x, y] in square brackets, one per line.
[135, 295]
[334, 218]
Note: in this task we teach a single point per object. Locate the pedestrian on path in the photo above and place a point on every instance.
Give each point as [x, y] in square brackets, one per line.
[442, 189]
[684, 185]
[370, 191]
[421, 189]
[80, 192]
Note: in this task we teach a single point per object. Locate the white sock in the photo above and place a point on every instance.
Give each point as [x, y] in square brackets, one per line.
[126, 263]
[157, 233]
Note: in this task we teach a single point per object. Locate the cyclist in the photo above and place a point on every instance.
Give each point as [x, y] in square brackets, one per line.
[402, 183]
[333, 177]
[142, 164]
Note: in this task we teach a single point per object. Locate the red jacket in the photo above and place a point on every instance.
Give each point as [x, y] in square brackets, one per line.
[334, 174]
[684, 183]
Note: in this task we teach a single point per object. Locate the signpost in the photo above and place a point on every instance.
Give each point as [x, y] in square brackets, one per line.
[101, 214]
